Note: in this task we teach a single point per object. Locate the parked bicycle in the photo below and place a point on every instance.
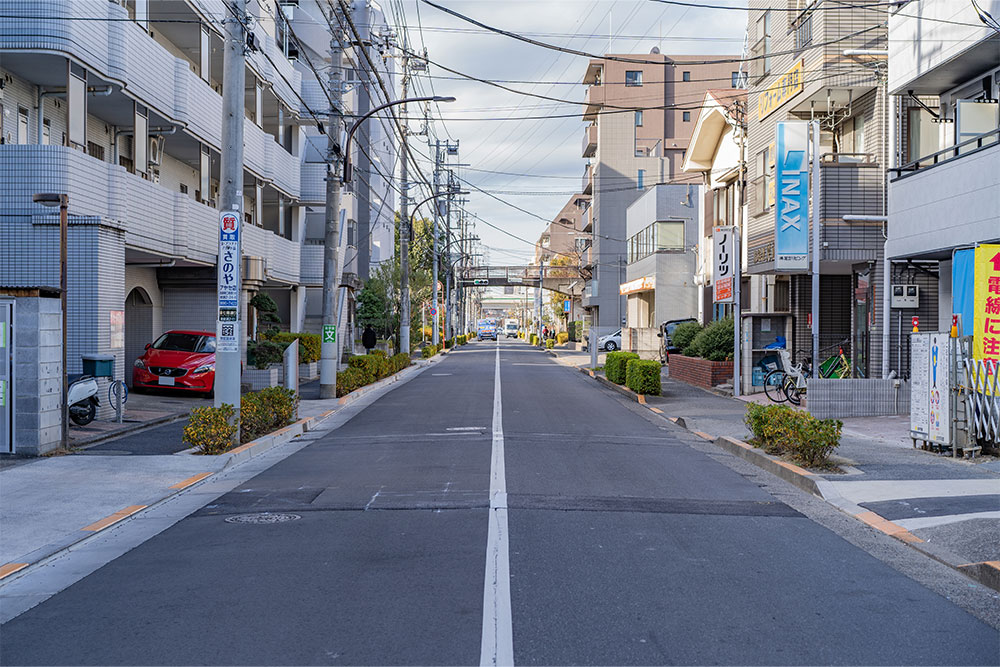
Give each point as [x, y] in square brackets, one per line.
[788, 382]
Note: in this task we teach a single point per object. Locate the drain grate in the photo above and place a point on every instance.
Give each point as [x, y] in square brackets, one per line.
[263, 517]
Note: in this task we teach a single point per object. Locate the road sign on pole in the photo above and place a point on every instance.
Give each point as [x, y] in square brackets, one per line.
[228, 326]
[723, 276]
[329, 333]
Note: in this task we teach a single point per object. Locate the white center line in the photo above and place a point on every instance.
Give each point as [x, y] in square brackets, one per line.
[498, 639]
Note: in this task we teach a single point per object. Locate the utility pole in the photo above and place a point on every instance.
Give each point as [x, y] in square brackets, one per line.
[405, 229]
[228, 367]
[435, 335]
[331, 241]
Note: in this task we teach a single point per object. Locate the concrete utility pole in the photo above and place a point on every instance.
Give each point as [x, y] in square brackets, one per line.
[815, 247]
[331, 242]
[405, 228]
[435, 335]
[229, 336]
[363, 193]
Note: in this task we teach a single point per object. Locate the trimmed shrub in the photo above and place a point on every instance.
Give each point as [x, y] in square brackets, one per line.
[684, 334]
[349, 379]
[256, 417]
[369, 364]
[549, 343]
[284, 404]
[211, 429]
[562, 337]
[534, 339]
[714, 342]
[261, 354]
[615, 365]
[429, 351]
[399, 361]
[643, 376]
[781, 429]
[309, 344]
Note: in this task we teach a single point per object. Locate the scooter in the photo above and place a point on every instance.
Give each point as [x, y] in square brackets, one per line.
[83, 401]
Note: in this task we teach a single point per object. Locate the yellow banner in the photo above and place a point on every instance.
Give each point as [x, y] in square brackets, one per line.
[787, 86]
[986, 304]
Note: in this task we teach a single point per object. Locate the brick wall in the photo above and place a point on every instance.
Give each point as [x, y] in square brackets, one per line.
[700, 372]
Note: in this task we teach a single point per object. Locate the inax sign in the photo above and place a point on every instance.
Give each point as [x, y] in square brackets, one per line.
[791, 175]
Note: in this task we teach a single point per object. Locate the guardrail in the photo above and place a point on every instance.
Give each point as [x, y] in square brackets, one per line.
[947, 154]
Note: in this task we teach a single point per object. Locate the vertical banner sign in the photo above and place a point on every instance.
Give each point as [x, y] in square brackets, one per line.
[227, 335]
[724, 266]
[566, 305]
[919, 385]
[791, 215]
[939, 389]
[986, 305]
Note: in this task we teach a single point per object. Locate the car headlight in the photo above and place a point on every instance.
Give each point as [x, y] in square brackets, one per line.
[138, 364]
[203, 369]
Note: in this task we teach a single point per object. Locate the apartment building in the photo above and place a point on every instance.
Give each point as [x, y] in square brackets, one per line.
[639, 113]
[119, 106]
[944, 187]
[827, 63]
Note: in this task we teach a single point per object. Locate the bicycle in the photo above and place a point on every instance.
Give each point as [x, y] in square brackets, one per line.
[787, 382]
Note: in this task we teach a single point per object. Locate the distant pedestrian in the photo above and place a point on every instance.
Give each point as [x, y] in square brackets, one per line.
[545, 332]
[368, 339]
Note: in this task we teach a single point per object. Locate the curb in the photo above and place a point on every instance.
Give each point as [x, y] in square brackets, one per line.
[986, 573]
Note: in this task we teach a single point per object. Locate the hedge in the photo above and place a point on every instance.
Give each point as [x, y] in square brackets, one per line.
[534, 339]
[212, 429]
[374, 366]
[781, 429]
[562, 337]
[684, 333]
[714, 342]
[309, 344]
[429, 351]
[549, 343]
[460, 340]
[614, 365]
[349, 379]
[643, 376]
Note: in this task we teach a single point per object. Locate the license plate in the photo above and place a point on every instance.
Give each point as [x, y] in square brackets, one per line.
[165, 380]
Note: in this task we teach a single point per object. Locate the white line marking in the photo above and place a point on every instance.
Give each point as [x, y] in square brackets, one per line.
[498, 639]
[377, 494]
[466, 428]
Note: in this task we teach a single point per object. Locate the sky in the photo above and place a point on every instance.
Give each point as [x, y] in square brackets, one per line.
[545, 152]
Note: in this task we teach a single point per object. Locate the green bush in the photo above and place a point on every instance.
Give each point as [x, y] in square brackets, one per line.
[369, 364]
[781, 429]
[460, 340]
[261, 354]
[643, 376]
[714, 342]
[615, 365]
[210, 429]
[534, 339]
[399, 361]
[309, 344]
[266, 410]
[562, 337]
[428, 351]
[684, 334]
[549, 343]
[350, 379]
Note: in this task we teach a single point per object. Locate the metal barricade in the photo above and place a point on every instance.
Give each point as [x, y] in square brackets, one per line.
[980, 390]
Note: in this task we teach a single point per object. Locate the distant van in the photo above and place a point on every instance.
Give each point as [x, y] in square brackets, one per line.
[510, 328]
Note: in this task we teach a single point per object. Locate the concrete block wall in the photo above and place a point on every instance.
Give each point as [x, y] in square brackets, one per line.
[857, 398]
[38, 375]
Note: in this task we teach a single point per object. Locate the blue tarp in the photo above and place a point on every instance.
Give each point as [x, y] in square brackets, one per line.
[963, 272]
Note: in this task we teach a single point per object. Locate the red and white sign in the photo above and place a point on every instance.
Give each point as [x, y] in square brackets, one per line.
[723, 268]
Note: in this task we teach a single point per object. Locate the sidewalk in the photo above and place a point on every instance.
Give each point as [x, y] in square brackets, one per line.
[951, 506]
[49, 504]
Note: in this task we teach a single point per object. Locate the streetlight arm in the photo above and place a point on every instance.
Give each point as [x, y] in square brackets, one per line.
[357, 124]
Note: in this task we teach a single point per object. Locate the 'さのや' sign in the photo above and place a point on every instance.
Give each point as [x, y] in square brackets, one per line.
[227, 328]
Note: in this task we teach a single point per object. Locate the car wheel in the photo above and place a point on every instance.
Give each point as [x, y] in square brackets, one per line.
[610, 346]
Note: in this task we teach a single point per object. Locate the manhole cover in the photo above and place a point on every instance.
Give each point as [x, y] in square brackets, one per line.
[265, 517]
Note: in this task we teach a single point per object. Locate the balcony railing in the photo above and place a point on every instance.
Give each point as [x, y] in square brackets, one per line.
[588, 180]
[590, 141]
[948, 154]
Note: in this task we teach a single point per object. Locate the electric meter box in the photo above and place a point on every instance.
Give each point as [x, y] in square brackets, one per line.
[905, 296]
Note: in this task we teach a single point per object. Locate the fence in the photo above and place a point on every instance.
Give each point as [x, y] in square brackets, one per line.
[979, 389]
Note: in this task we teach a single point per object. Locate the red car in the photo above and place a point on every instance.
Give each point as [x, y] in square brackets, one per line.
[177, 360]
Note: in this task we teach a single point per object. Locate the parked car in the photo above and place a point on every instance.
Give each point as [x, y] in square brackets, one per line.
[667, 346]
[177, 360]
[611, 342]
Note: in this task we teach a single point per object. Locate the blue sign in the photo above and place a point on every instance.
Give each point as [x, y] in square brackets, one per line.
[791, 215]
[566, 305]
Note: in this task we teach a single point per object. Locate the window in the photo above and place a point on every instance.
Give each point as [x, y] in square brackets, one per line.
[858, 134]
[922, 135]
[762, 48]
[633, 78]
[687, 116]
[640, 178]
[638, 119]
[184, 189]
[22, 125]
[736, 80]
[95, 150]
[670, 235]
[685, 76]
[46, 131]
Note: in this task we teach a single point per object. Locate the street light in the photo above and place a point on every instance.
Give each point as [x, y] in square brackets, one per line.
[363, 118]
[62, 201]
[404, 277]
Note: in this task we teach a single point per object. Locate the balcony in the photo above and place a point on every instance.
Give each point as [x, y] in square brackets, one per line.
[590, 141]
[588, 220]
[588, 180]
[593, 101]
[154, 219]
[961, 185]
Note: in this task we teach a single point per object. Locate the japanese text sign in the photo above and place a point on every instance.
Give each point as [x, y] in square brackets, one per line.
[228, 285]
[724, 266]
[986, 303]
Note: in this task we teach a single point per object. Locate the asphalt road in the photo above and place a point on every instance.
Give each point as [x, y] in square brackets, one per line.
[577, 529]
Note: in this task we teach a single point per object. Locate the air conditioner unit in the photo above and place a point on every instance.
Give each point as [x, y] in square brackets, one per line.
[155, 149]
